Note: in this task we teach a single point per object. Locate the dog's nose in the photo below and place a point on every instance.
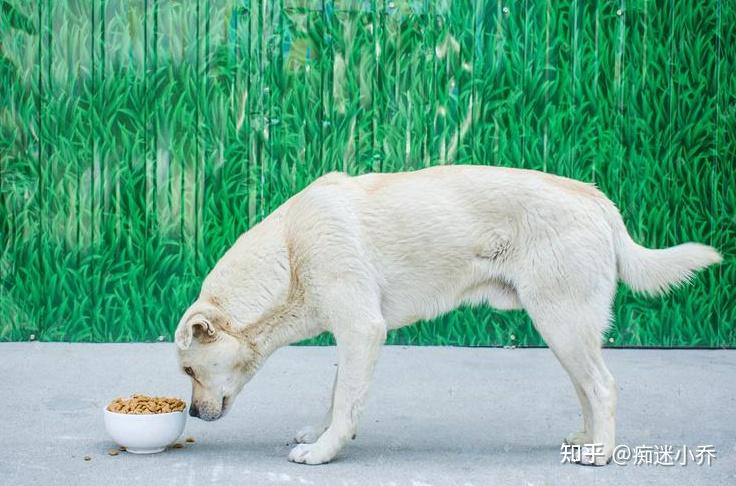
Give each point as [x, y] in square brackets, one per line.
[193, 410]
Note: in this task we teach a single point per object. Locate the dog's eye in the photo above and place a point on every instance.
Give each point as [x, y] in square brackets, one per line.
[189, 371]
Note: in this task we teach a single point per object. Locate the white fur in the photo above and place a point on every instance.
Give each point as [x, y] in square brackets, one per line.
[358, 256]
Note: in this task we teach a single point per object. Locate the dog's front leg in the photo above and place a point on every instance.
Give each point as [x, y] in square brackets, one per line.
[310, 433]
[357, 350]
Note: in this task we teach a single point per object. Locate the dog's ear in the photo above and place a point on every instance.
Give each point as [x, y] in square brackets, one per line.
[196, 324]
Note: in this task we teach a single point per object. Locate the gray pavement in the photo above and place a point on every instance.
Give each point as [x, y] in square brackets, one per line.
[436, 416]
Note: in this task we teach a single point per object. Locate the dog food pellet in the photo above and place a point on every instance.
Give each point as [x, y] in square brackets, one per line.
[87, 458]
[143, 404]
[178, 445]
[190, 440]
[113, 452]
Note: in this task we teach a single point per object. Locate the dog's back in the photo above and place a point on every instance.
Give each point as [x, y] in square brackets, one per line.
[435, 235]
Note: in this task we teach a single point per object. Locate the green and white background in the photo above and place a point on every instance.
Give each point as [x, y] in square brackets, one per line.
[139, 138]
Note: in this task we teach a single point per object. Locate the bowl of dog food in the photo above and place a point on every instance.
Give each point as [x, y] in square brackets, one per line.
[144, 424]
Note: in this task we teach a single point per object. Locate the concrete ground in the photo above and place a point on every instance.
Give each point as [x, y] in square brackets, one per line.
[436, 416]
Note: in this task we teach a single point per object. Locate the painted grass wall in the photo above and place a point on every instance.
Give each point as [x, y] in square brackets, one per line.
[139, 138]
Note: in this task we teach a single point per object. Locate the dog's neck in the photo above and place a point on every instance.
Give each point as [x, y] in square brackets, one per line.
[287, 323]
[257, 287]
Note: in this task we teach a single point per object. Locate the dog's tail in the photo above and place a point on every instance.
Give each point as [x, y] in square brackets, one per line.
[654, 272]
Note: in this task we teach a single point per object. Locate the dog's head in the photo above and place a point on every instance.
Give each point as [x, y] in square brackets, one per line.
[218, 361]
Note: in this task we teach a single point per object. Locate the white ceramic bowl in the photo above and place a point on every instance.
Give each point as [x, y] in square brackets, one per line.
[145, 433]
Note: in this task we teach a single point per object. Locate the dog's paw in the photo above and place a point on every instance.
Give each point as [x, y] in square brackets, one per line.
[593, 456]
[311, 454]
[578, 438]
[307, 435]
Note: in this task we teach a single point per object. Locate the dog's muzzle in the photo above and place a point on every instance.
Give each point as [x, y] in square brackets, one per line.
[193, 410]
[206, 413]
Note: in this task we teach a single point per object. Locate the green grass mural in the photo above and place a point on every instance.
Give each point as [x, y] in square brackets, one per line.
[139, 138]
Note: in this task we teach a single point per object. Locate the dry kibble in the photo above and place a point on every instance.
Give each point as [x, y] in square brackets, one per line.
[190, 439]
[113, 452]
[143, 404]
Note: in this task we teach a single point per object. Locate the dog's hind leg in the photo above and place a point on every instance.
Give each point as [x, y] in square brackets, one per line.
[584, 436]
[566, 281]
[573, 333]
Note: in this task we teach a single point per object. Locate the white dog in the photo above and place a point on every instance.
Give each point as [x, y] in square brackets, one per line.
[358, 256]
